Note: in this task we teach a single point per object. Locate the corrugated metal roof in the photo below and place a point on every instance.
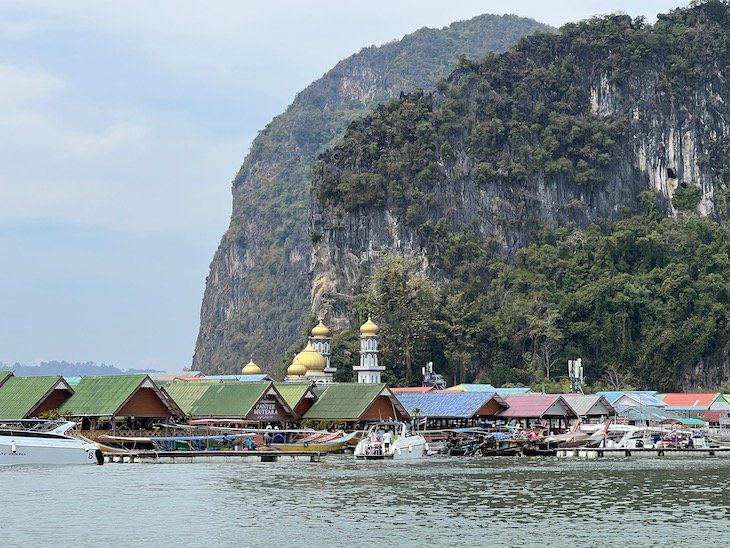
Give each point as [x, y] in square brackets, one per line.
[715, 415]
[535, 406]
[5, 375]
[690, 422]
[611, 395]
[585, 404]
[640, 413]
[229, 399]
[689, 401]
[185, 393]
[72, 381]
[455, 405]
[346, 401]
[99, 396]
[645, 397]
[512, 391]
[416, 389]
[240, 378]
[465, 387]
[19, 395]
[221, 399]
[292, 392]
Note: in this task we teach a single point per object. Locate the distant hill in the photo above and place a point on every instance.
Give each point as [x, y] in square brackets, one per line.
[66, 369]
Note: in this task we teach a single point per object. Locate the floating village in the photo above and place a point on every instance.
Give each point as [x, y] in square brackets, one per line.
[191, 417]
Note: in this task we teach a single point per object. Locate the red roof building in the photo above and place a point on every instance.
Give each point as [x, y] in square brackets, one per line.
[690, 400]
[532, 407]
[713, 417]
[695, 404]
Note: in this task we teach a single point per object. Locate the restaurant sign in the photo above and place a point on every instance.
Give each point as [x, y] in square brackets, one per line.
[267, 409]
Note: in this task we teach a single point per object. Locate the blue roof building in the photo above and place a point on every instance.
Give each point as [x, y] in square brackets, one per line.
[447, 408]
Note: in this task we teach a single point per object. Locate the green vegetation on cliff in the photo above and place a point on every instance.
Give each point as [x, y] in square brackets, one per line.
[523, 116]
[641, 299]
[614, 266]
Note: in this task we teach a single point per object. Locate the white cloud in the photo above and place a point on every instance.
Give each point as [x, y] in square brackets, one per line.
[26, 85]
[70, 153]
[123, 168]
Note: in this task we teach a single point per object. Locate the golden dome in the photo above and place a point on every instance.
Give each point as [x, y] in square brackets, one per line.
[296, 369]
[251, 369]
[320, 331]
[311, 359]
[369, 328]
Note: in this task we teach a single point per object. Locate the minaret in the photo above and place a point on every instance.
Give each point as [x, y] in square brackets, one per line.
[368, 371]
[322, 343]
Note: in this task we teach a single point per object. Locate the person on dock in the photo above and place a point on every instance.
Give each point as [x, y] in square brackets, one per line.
[387, 437]
[379, 437]
[249, 445]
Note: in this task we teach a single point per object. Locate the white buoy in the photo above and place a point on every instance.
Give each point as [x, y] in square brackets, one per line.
[13, 447]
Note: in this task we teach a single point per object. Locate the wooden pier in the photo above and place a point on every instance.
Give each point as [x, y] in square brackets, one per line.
[607, 452]
[169, 457]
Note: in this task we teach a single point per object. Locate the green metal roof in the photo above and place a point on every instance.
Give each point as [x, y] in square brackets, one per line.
[292, 392]
[186, 393]
[101, 396]
[347, 401]
[691, 422]
[4, 375]
[217, 399]
[319, 389]
[19, 395]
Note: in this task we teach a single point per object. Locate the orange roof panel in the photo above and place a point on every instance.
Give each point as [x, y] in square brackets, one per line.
[689, 400]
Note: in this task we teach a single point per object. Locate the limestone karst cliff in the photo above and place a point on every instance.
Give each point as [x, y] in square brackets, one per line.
[257, 293]
[565, 129]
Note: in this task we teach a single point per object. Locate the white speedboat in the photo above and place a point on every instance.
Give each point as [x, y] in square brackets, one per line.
[44, 442]
[393, 440]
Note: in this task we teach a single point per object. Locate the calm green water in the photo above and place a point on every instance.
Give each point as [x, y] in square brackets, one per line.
[446, 501]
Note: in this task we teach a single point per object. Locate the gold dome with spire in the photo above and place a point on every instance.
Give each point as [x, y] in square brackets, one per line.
[311, 359]
[296, 369]
[251, 368]
[369, 327]
[321, 331]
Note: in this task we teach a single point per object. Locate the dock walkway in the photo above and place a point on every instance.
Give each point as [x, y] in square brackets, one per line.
[167, 457]
[603, 452]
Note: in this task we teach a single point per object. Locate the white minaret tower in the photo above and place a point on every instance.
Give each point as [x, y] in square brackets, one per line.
[368, 371]
[322, 343]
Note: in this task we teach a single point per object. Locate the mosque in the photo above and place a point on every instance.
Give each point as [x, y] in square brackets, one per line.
[312, 365]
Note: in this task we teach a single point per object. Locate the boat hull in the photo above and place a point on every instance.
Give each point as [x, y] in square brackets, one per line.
[309, 448]
[21, 450]
[536, 452]
[406, 449]
[329, 446]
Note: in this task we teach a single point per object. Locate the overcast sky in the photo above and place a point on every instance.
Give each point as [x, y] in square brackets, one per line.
[122, 124]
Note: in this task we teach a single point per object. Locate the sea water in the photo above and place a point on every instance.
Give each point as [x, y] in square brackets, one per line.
[440, 501]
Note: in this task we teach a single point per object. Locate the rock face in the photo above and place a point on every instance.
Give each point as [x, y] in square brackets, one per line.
[257, 295]
[568, 128]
